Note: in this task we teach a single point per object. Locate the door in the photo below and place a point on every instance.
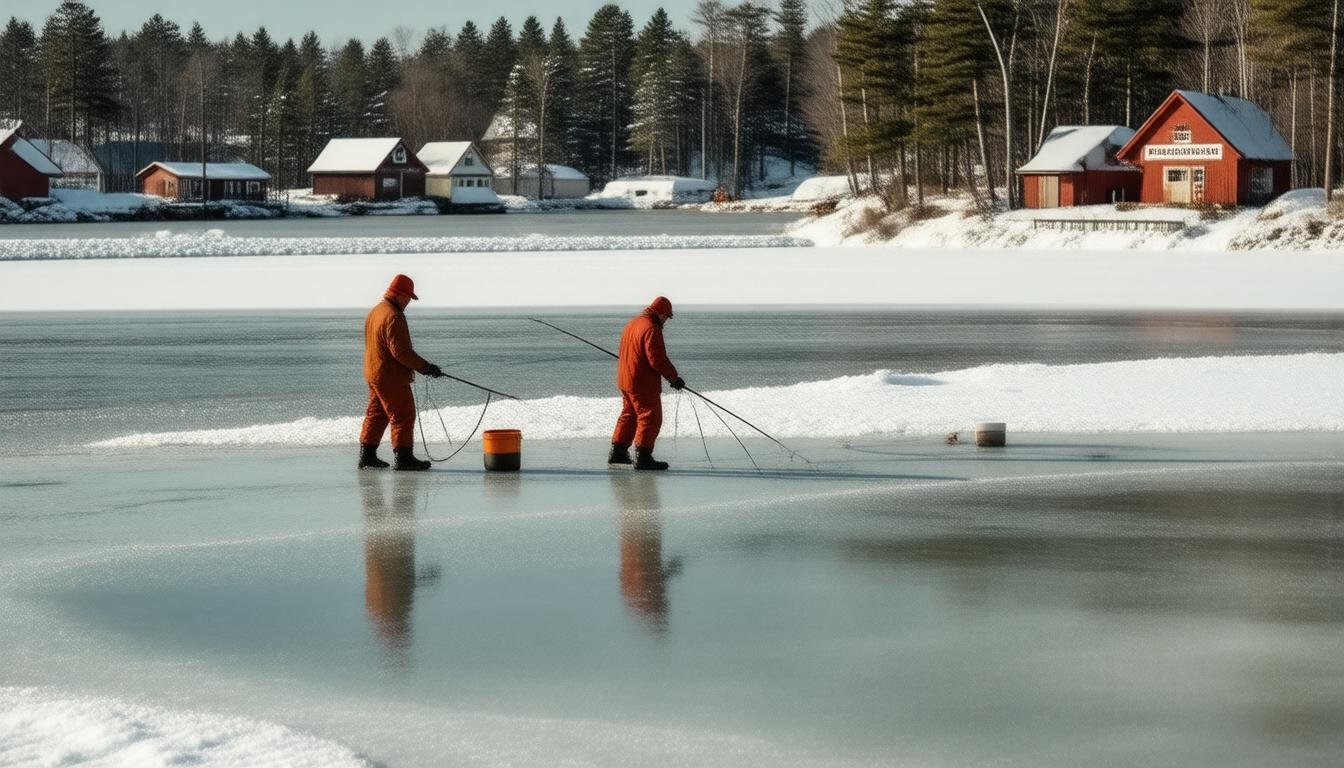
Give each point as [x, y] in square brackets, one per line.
[1176, 185]
[1047, 191]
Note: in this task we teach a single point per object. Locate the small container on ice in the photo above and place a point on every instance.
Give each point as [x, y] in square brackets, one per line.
[991, 434]
[503, 449]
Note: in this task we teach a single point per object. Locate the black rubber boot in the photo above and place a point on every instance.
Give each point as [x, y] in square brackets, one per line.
[406, 460]
[620, 454]
[368, 458]
[644, 460]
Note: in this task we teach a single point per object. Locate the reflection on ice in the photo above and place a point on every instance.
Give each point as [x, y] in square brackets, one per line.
[390, 576]
[644, 575]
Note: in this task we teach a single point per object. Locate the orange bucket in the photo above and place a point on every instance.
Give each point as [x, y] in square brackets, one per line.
[503, 449]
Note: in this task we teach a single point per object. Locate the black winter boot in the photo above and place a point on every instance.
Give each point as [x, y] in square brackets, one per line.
[644, 460]
[368, 458]
[620, 454]
[406, 460]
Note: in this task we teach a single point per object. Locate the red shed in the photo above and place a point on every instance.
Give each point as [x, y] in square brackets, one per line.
[24, 170]
[182, 181]
[1076, 165]
[371, 169]
[1201, 148]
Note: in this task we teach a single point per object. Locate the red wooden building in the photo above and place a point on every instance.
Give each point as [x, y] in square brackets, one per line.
[182, 181]
[24, 170]
[1200, 148]
[369, 169]
[1076, 165]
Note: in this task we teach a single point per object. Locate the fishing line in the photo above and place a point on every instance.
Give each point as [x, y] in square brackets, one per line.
[702, 434]
[429, 400]
[735, 437]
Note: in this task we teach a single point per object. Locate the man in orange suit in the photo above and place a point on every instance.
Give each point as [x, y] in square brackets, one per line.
[640, 369]
[390, 363]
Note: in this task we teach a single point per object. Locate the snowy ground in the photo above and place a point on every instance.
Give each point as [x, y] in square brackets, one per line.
[714, 277]
[1295, 221]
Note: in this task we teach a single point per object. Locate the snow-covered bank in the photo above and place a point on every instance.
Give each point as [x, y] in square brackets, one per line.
[713, 276]
[1295, 221]
[166, 244]
[1213, 394]
[40, 727]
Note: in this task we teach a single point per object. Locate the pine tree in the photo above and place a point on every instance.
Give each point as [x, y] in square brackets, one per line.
[18, 72]
[160, 53]
[78, 75]
[746, 85]
[657, 87]
[382, 74]
[954, 57]
[789, 48]
[606, 53]
[351, 84]
[473, 93]
[564, 65]
[497, 59]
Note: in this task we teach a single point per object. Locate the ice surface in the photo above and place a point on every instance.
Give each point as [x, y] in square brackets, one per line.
[1228, 394]
[43, 727]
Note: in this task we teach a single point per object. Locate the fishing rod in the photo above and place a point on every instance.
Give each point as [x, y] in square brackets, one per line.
[767, 435]
[478, 386]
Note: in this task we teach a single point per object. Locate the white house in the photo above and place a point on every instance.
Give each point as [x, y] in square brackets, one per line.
[558, 181]
[459, 172]
[80, 169]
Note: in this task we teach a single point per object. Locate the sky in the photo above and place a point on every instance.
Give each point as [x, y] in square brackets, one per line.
[339, 20]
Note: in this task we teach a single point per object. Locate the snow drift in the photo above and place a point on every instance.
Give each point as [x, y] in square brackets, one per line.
[1212, 394]
[42, 727]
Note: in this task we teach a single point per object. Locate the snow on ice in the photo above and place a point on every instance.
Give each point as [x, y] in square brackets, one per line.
[1212, 394]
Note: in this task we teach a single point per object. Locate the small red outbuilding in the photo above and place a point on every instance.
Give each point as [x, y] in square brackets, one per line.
[24, 170]
[1076, 165]
[182, 181]
[1200, 148]
[371, 169]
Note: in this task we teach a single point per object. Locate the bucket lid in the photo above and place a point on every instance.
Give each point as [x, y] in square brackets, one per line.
[990, 426]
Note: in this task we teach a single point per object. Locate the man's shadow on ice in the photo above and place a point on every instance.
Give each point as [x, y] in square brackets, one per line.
[390, 575]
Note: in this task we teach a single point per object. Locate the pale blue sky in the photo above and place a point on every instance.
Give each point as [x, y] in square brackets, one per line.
[338, 20]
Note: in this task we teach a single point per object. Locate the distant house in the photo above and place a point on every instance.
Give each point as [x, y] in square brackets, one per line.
[79, 168]
[1201, 148]
[1077, 165]
[669, 188]
[557, 181]
[458, 171]
[227, 181]
[122, 160]
[24, 171]
[369, 169]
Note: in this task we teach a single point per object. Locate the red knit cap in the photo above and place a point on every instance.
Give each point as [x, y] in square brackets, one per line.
[402, 286]
[661, 306]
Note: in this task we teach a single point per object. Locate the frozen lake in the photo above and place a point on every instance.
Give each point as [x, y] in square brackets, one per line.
[1074, 599]
[554, 223]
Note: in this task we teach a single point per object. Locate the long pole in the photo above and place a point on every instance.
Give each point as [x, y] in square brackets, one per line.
[478, 386]
[763, 433]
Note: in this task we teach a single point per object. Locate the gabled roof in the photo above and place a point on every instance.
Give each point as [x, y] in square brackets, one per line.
[71, 157]
[444, 156]
[552, 170]
[1242, 123]
[27, 152]
[354, 155]
[1072, 148]
[216, 171]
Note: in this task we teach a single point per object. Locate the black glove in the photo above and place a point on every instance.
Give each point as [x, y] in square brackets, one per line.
[433, 371]
[679, 383]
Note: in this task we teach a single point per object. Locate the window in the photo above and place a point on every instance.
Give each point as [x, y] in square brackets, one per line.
[1176, 175]
[469, 159]
[1180, 134]
[253, 187]
[399, 155]
[389, 183]
[1262, 182]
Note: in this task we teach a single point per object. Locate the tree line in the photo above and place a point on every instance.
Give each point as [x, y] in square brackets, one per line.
[901, 97]
[612, 100]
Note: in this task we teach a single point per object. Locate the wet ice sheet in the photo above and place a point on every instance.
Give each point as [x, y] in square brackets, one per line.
[1067, 600]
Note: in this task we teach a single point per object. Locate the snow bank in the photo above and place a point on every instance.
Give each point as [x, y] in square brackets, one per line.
[39, 727]
[1294, 221]
[1213, 394]
[166, 244]
[1260, 280]
[652, 189]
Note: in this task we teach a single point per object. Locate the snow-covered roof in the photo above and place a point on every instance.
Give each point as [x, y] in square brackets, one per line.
[672, 185]
[27, 152]
[217, 171]
[501, 129]
[1071, 148]
[71, 157]
[552, 170]
[1243, 123]
[444, 156]
[353, 155]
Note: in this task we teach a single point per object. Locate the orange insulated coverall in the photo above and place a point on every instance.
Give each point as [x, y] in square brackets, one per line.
[640, 369]
[390, 363]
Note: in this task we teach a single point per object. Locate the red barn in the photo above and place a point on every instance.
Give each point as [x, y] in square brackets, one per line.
[1076, 165]
[1200, 148]
[24, 170]
[371, 169]
[182, 181]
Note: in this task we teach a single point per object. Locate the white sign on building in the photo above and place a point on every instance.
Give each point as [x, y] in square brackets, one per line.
[1183, 152]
